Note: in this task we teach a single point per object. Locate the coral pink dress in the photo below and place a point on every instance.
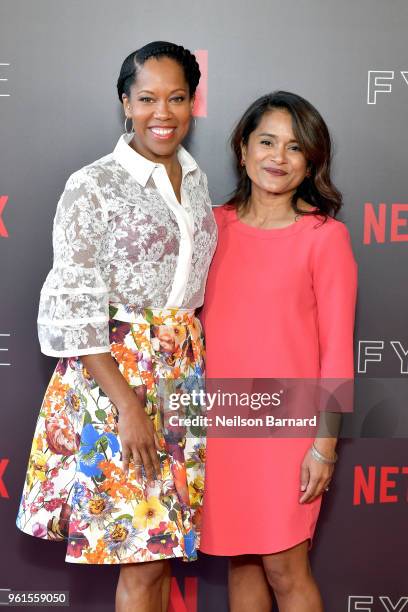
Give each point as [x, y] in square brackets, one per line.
[278, 303]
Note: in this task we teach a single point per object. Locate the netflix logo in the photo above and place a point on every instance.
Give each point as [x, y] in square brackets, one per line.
[3, 229]
[385, 223]
[200, 102]
[386, 484]
[188, 603]
[3, 489]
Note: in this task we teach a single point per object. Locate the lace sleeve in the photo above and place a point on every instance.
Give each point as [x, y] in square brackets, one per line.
[74, 302]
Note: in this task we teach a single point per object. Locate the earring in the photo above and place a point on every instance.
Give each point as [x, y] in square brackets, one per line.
[242, 161]
[126, 130]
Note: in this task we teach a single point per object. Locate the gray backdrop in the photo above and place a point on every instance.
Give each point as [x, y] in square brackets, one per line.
[59, 63]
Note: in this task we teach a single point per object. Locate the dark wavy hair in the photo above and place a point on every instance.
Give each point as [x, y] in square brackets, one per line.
[158, 48]
[313, 136]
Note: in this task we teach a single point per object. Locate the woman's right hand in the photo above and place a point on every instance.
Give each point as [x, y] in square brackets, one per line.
[139, 442]
[136, 431]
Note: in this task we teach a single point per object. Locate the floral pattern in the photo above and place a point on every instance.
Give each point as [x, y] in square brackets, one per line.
[75, 487]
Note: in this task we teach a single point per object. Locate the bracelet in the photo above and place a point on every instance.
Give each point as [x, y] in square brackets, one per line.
[322, 458]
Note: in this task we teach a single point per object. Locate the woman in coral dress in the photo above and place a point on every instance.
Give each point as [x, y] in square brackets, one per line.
[280, 301]
[134, 235]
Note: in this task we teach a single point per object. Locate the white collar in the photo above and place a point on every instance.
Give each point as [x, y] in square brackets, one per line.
[141, 168]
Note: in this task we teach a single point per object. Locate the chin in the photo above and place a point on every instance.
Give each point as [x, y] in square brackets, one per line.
[163, 151]
[274, 188]
[164, 148]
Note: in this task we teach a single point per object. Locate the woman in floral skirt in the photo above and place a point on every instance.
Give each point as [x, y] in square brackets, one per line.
[133, 238]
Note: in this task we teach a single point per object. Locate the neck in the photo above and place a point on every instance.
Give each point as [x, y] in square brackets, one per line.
[266, 208]
[170, 162]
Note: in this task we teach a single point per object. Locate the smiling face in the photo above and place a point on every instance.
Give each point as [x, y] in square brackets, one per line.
[160, 107]
[273, 158]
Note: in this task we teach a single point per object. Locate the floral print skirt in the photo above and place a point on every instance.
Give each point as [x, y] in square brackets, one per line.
[76, 489]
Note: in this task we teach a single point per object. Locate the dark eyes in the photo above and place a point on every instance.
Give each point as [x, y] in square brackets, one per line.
[269, 143]
[149, 100]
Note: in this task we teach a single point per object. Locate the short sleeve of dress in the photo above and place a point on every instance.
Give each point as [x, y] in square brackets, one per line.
[74, 303]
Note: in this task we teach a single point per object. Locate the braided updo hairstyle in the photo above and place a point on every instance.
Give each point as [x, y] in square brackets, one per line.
[159, 48]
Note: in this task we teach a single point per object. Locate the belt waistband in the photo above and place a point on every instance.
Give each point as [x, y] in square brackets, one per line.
[151, 316]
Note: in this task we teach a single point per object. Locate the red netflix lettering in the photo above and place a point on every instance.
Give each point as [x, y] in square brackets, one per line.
[374, 225]
[200, 102]
[376, 222]
[364, 486]
[190, 601]
[3, 490]
[374, 484]
[386, 484]
[3, 229]
[397, 222]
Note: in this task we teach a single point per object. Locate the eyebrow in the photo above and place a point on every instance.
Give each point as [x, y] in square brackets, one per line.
[152, 92]
[274, 136]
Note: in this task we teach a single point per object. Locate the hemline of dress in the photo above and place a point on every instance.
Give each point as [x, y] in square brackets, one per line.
[163, 558]
[259, 552]
[78, 562]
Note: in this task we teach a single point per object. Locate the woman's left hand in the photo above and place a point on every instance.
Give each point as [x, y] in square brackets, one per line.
[314, 478]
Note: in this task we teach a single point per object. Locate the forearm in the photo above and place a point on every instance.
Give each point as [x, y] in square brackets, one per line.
[328, 432]
[104, 370]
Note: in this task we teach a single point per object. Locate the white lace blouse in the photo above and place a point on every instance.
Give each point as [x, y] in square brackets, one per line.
[120, 235]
